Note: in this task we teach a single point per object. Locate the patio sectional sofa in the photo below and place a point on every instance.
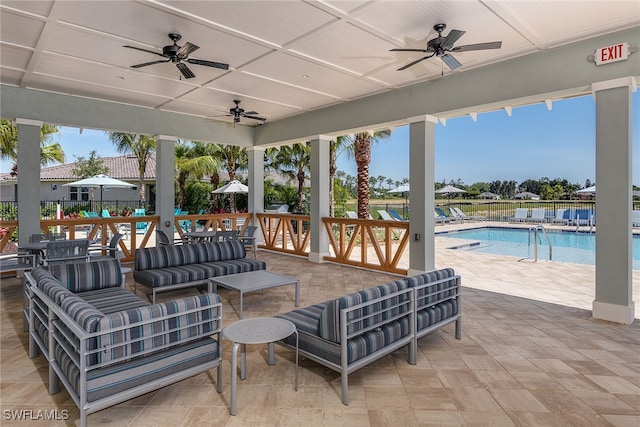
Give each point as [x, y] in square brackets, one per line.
[350, 332]
[165, 268]
[106, 345]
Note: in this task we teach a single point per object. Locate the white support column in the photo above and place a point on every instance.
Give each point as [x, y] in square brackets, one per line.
[256, 186]
[421, 195]
[165, 182]
[319, 197]
[614, 265]
[28, 196]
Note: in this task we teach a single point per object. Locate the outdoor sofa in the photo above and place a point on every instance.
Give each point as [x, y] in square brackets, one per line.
[106, 345]
[350, 332]
[165, 268]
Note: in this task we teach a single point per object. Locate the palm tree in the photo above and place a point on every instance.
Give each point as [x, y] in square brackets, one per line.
[142, 147]
[361, 144]
[215, 152]
[49, 152]
[295, 162]
[233, 158]
[190, 164]
[336, 148]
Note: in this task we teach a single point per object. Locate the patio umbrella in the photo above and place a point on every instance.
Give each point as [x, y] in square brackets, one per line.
[588, 190]
[232, 188]
[100, 181]
[404, 188]
[449, 190]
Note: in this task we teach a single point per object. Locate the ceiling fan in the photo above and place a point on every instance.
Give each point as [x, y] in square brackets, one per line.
[237, 113]
[443, 46]
[178, 54]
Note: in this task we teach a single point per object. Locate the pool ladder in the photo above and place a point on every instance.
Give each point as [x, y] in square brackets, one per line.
[539, 229]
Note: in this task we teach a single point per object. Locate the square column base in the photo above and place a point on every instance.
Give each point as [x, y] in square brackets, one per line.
[613, 312]
[318, 257]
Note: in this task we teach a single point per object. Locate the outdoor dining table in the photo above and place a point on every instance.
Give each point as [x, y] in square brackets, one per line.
[199, 236]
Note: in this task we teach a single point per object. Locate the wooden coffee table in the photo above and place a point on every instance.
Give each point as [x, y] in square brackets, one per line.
[254, 281]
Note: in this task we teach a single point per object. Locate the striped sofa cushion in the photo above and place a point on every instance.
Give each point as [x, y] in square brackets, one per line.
[329, 321]
[87, 276]
[437, 291]
[105, 382]
[220, 251]
[428, 316]
[111, 300]
[165, 256]
[124, 343]
[159, 277]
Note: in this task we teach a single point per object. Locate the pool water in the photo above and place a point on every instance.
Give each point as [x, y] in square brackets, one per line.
[566, 246]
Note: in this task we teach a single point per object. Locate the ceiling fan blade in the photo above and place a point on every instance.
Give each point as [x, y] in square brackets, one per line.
[451, 61]
[253, 113]
[144, 50]
[415, 62]
[186, 50]
[408, 50]
[186, 72]
[150, 63]
[477, 46]
[451, 39]
[208, 63]
[262, 119]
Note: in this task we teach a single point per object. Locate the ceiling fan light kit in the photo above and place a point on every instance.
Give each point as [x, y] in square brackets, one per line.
[442, 47]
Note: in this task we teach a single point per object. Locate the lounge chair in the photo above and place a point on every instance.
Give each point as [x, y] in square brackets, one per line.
[537, 215]
[583, 217]
[444, 216]
[441, 219]
[520, 215]
[562, 216]
[459, 215]
[635, 218]
[471, 217]
[351, 214]
[395, 215]
[385, 215]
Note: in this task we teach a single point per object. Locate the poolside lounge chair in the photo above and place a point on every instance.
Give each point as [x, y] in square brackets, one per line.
[443, 215]
[441, 218]
[471, 217]
[395, 215]
[520, 215]
[385, 215]
[459, 215]
[635, 218]
[583, 217]
[351, 214]
[537, 215]
[562, 216]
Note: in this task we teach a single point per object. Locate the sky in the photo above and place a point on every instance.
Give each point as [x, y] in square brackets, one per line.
[532, 143]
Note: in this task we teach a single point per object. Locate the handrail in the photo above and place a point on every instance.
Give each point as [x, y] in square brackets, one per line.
[535, 240]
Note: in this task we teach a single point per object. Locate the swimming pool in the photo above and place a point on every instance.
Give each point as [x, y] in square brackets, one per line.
[566, 246]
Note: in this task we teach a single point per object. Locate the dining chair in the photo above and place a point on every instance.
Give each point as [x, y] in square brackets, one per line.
[248, 239]
[66, 251]
[95, 253]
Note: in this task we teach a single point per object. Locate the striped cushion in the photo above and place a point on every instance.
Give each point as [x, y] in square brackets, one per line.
[447, 288]
[111, 300]
[127, 342]
[159, 277]
[220, 251]
[87, 276]
[106, 382]
[165, 256]
[329, 321]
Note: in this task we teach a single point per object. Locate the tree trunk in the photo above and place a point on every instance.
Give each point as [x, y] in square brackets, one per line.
[215, 183]
[362, 146]
[300, 190]
[332, 173]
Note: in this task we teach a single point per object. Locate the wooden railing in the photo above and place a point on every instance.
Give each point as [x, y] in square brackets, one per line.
[286, 233]
[374, 244]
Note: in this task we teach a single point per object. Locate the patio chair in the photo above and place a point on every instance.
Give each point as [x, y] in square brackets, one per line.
[66, 251]
[385, 215]
[635, 218]
[458, 214]
[17, 262]
[163, 240]
[520, 215]
[395, 215]
[222, 236]
[583, 217]
[440, 219]
[141, 227]
[248, 239]
[95, 253]
[443, 215]
[563, 216]
[537, 215]
[185, 224]
[106, 213]
[351, 214]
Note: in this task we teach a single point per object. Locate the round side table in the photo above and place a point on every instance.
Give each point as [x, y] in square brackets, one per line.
[259, 330]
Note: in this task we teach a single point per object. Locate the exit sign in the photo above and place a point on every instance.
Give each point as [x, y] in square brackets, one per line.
[613, 53]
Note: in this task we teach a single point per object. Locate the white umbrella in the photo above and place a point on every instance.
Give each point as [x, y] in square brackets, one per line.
[404, 188]
[450, 189]
[588, 190]
[100, 181]
[234, 186]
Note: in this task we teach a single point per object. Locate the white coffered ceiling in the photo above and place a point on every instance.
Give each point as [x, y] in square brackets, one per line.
[285, 57]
